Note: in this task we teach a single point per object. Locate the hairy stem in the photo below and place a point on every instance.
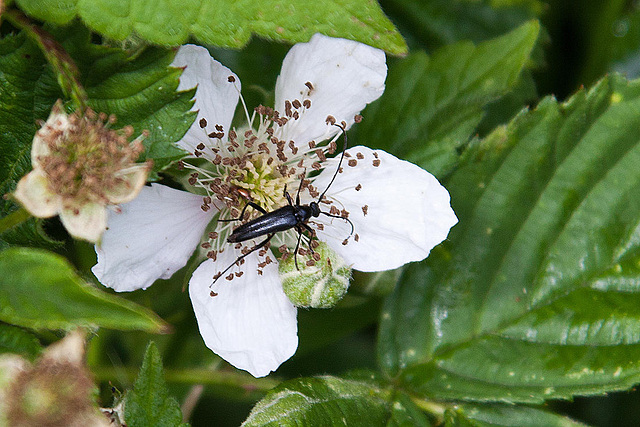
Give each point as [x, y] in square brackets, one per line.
[63, 66]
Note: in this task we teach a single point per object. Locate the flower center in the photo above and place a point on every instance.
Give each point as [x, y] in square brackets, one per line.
[84, 158]
[253, 167]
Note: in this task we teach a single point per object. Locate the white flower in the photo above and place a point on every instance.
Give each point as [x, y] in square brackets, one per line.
[399, 211]
[79, 167]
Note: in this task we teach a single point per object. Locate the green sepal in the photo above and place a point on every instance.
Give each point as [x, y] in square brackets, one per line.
[315, 283]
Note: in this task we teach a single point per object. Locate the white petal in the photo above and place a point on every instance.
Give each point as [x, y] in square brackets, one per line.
[216, 97]
[408, 211]
[86, 222]
[150, 238]
[134, 178]
[56, 123]
[250, 323]
[346, 76]
[34, 194]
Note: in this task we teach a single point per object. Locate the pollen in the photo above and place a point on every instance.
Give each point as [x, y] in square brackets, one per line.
[253, 170]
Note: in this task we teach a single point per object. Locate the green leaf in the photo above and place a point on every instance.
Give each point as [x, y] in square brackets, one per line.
[149, 403]
[536, 295]
[139, 90]
[432, 105]
[41, 290]
[404, 413]
[27, 92]
[435, 23]
[17, 340]
[504, 415]
[225, 23]
[322, 401]
[623, 46]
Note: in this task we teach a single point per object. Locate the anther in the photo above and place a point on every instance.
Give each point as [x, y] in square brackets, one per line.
[376, 163]
[365, 209]
[231, 79]
[203, 123]
[358, 187]
[357, 118]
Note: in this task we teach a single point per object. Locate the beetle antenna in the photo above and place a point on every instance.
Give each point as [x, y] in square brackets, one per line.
[344, 148]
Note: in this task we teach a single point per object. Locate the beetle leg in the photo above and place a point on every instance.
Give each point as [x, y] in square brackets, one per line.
[240, 218]
[295, 253]
[241, 257]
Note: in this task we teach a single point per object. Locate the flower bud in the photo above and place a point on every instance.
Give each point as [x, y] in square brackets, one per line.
[321, 281]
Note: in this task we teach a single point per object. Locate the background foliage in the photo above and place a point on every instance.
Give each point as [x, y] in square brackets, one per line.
[527, 111]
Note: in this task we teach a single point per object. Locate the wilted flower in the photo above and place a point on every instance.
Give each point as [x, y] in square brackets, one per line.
[55, 391]
[399, 212]
[79, 167]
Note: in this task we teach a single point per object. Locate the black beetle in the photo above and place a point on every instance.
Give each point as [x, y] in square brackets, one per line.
[291, 216]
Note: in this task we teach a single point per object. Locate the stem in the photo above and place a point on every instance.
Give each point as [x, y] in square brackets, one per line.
[191, 401]
[226, 383]
[14, 218]
[433, 408]
[63, 66]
